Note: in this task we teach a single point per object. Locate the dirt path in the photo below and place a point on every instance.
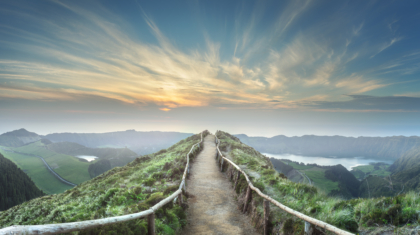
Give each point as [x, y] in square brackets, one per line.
[212, 206]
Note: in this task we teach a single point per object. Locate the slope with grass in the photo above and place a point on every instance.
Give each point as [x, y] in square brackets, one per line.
[368, 216]
[115, 156]
[68, 167]
[375, 168]
[36, 170]
[122, 190]
[333, 180]
[15, 186]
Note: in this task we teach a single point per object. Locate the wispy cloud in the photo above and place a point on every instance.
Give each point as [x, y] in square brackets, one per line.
[387, 45]
[94, 55]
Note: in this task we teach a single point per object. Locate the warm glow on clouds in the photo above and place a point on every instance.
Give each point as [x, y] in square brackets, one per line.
[286, 61]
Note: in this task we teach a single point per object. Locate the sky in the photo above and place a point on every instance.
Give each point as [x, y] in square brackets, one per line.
[261, 68]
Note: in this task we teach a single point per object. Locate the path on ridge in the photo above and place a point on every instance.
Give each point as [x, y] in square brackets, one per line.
[212, 206]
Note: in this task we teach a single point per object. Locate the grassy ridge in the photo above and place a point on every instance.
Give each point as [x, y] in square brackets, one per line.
[68, 167]
[122, 190]
[389, 213]
[36, 170]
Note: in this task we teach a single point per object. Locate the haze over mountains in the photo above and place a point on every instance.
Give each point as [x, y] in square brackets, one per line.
[140, 142]
[41, 157]
[402, 175]
[334, 146]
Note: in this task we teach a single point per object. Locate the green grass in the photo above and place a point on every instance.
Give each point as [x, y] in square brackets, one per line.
[355, 215]
[119, 191]
[69, 167]
[318, 177]
[363, 171]
[36, 170]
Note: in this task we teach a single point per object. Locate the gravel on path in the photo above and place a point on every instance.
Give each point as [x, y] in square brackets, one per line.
[212, 205]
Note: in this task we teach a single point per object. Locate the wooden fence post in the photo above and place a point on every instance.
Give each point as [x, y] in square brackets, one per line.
[308, 228]
[151, 224]
[221, 166]
[266, 216]
[248, 197]
[236, 181]
[180, 199]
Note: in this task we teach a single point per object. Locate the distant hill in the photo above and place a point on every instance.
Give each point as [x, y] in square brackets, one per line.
[109, 157]
[18, 138]
[123, 190]
[408, 160]
[15, 186]
[339, 146]
[334, 180]
[140, 142]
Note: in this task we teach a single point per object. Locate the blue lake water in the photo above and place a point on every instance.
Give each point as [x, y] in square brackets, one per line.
[325, 161]
[87, 157]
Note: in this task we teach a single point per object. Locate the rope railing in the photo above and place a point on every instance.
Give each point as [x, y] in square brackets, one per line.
[82, 225]
[309, 221]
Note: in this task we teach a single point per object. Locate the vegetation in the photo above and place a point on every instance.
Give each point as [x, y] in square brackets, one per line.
[317, 176]
[99, 167]
[68, 167]
[354, 215]
[408, 160]
[15, 186]
[38, 173]
[374, 168]
[115, 156]
[333, 180]
[122, 190]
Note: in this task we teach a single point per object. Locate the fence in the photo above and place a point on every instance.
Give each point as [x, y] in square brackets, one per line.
[77, 226]
[309, 221]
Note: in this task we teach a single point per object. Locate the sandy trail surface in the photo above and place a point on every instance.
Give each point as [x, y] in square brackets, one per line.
[212, 206]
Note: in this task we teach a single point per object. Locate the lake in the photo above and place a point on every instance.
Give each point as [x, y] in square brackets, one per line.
[325, 161]
[87, 157]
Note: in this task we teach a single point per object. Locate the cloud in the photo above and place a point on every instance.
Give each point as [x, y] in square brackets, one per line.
[95, 54]
[387, 45]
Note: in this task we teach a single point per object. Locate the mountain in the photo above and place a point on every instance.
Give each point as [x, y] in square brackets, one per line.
[122, 190]
[398, 212]
[140, 142]
[18, 138]
[15, 186]
[115, 156]
[409, 159]
[334, 180]
[338, 146]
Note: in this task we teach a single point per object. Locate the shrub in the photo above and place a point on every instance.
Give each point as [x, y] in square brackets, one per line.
[149, 181]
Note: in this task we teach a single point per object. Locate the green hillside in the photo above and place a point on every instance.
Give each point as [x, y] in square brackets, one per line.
[38, 173]
[333, 180]
[379, 169]
[15, 186]
[68, 167]
[116, 156]
[122, 190]
[355, 215]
